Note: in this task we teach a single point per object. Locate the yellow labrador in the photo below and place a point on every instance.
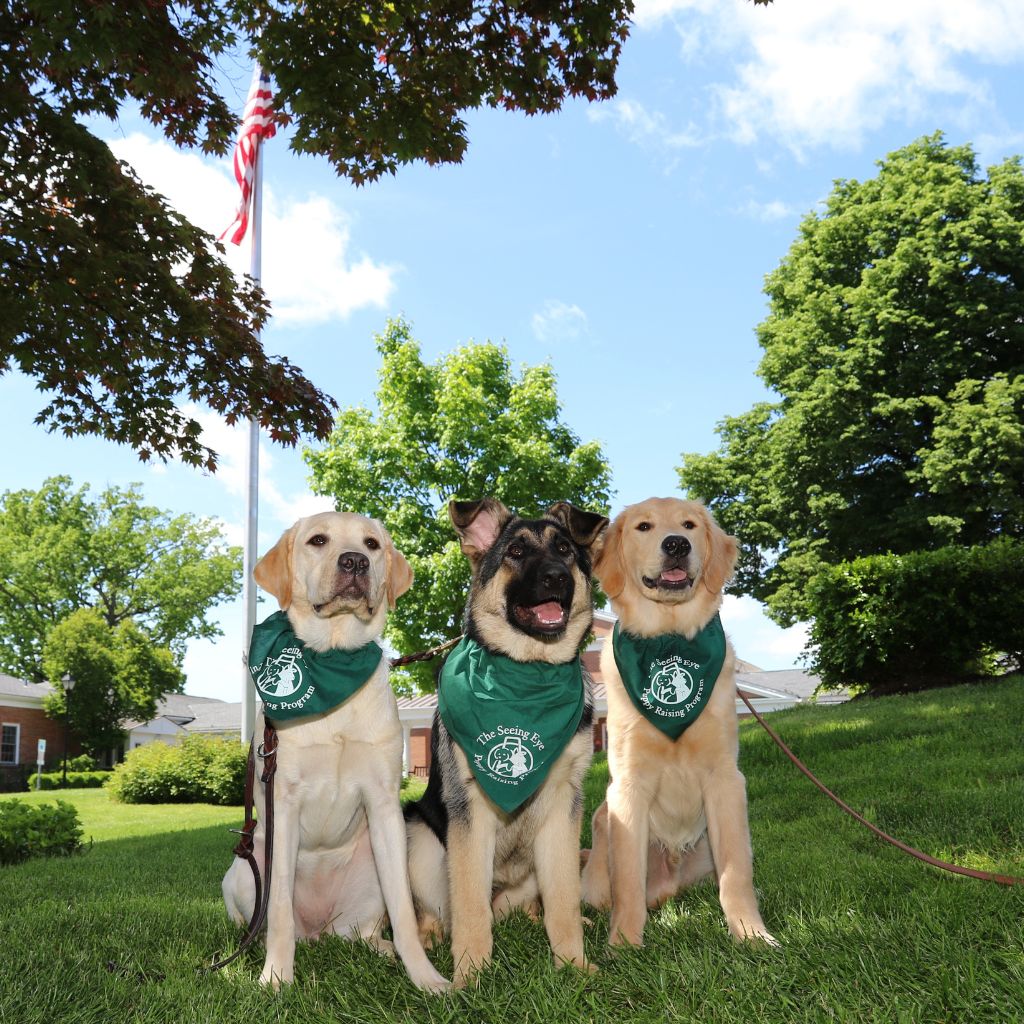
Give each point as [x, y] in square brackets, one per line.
[676, 808]
[339, 838]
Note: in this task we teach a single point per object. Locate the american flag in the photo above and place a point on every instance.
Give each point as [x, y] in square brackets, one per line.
[257, 124]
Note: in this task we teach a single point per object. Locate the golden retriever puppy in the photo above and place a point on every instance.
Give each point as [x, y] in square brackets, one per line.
[339, 856]
[676, 807]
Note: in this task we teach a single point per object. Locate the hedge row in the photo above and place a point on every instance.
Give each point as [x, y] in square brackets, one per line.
[41, 830]
[199, 770]
[76, 780]
[929, 618]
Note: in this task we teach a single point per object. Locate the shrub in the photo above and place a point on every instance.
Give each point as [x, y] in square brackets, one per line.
[199, 770]
[43, 830]
[82, 763]
[76, 779]
[930, 618]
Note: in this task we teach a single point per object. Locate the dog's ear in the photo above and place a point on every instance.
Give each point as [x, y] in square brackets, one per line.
[722, 552]
[478, 524]
[608, 565]
[399, 572]
[585, 528]
[273, 572]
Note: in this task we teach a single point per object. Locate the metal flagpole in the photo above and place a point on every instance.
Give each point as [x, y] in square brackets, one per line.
[253, 475]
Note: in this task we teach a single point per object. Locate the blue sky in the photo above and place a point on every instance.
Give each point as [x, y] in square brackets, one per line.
[625, 242]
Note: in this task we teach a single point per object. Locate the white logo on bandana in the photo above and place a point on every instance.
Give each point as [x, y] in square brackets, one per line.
[281, 676]
[671, 684]
[510, 758]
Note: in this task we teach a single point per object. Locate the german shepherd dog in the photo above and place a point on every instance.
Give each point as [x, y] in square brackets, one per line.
[471, 861]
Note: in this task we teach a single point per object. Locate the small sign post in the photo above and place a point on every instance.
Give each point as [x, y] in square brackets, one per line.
[40, 760]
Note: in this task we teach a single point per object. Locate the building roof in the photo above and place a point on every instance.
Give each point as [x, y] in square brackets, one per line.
[791, 680]
[216, 717]
[182, 709]
[12, 687]
[423, 700]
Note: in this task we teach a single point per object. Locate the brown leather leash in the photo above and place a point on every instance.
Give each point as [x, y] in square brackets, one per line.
[267, 751]
[409, 659]
[987, 876]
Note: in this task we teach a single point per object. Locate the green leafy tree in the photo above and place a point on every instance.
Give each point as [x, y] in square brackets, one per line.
[119, 674]
[62, 551]
[116, 304]
[465, 426]
[895, 342]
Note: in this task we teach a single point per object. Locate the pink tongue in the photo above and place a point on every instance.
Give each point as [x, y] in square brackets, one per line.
[674, 575]
[550, 612]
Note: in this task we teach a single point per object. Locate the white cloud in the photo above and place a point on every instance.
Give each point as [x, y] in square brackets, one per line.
[826, 72]
[234, 533]
[773, 210]
[559, 321]
[231, 445]
[650, 13]
[992, 148]
[642, 126]
[309, 270]
[309, 504]
[757, 639]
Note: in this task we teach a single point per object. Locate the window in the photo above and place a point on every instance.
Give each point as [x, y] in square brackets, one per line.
[9, 735]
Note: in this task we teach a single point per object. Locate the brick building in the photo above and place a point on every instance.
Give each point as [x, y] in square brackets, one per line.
[22, 725]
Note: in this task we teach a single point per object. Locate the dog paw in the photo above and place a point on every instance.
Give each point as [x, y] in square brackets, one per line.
[271, 978]
[619, 937]
[432, 982]
[465, 979]
[382, 946]
[763, 938]
[467, 973]
[431, 934]
[594, 895]
[577, 963]
[754, 935]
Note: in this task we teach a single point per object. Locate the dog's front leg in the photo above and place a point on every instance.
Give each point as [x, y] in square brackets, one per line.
[594, 883]
[556, 855]
[387, 838]
[725, 805]
[628, 837]
[471, 842]
[279, 965]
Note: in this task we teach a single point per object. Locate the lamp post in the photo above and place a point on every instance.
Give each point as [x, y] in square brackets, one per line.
[68, 682]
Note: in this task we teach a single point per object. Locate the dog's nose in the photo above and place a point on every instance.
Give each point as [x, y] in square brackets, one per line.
[354, 562]
[554, 576]
[675, 546]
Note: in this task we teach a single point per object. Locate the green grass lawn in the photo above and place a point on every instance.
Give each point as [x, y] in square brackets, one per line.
[119, 933]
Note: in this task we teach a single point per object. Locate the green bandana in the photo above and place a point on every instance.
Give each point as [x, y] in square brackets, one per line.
[668, 678]
[512, 719]
[294, 681]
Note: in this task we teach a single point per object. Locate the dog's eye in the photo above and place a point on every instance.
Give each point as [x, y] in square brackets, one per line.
[318, 540]
[562, 547]
[643, 527]
[515, 550]
[372, 543]
[689, 525]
